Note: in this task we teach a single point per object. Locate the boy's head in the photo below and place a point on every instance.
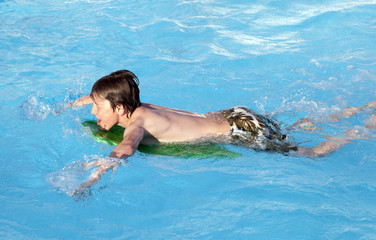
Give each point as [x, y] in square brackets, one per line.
[119, 88]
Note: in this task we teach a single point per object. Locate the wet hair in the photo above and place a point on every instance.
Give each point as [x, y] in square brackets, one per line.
[119, 88]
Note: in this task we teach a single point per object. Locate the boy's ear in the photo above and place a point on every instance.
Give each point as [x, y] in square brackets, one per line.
[121, 110]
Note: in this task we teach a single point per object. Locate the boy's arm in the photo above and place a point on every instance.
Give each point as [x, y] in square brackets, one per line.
[133, 134]
[85, 100]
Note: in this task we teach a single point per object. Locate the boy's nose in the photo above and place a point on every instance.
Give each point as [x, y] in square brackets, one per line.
[93, 110]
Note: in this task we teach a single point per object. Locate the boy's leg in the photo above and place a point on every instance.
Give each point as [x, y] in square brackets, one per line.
[350, 111]
[335, 143]
[322, 149]
[308, 123]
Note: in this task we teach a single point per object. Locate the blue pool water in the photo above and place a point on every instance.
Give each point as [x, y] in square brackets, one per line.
[290, 59]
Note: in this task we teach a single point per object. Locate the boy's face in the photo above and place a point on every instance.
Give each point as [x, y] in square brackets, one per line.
[103, 111]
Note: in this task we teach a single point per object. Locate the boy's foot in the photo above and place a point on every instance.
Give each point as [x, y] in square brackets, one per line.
[371, 105]
[371, 122]
[355, 133]
[346, 113]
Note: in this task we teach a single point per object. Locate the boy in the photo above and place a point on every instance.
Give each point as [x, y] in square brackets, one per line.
[116, 100]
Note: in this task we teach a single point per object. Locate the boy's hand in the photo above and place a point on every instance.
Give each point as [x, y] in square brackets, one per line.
[103, 166]
[81, 194]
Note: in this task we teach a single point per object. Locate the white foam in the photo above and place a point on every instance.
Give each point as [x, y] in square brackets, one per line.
[301, 12]
[221, 51]
[259, 45]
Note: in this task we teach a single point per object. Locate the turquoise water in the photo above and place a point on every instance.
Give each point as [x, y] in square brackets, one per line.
[290, 59]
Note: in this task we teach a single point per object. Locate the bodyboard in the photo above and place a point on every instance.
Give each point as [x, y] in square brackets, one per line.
[181, 150]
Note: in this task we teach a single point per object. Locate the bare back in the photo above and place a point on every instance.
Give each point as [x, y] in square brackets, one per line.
[164, 124]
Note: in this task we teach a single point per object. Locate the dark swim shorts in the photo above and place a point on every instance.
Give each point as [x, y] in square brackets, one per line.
[256, 131]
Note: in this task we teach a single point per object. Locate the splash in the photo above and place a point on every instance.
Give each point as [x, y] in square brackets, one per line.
[69, 178]
[37, 106]
[72, 176]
